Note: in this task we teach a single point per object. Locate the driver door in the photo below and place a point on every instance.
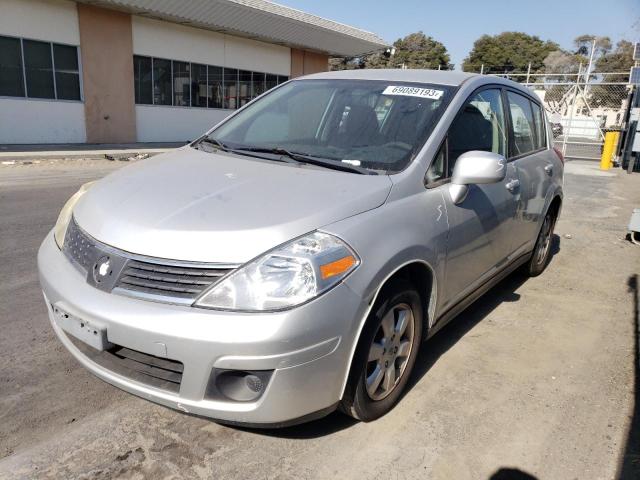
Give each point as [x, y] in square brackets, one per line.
[480, 239]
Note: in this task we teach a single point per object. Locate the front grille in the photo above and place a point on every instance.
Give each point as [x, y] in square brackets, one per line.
[79, 247]
[157, 372]
[168, 280]
[142, 277]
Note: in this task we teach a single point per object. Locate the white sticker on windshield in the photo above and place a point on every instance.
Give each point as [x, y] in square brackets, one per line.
[413, 92]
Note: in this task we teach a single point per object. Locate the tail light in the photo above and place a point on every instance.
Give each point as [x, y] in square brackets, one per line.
[559, 153]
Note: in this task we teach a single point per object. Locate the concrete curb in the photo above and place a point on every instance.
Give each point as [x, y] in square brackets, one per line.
[78, 154]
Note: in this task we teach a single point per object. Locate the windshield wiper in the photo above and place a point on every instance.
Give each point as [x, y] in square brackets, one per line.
[310, 159]
[240, 151]
[212, 141]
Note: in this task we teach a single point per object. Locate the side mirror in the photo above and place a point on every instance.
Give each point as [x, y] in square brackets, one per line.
[475, 167]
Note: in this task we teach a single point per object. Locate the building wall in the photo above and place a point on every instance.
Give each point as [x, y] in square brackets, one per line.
[49, 20]
[41, 121]
[175, 124]
[304, 62]
[108, 78]
[24, 120]
[155, 38]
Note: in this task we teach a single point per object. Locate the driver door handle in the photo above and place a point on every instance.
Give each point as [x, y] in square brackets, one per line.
[512, 185]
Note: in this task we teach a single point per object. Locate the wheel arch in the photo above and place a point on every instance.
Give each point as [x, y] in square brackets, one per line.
[556, 204]
[422, 275]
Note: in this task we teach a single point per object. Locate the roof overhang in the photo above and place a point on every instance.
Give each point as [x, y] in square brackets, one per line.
[258, 20]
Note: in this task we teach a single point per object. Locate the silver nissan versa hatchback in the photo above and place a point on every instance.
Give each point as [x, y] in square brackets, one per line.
[290, 261]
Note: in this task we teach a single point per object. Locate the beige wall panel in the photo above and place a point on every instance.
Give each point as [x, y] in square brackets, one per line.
[106, 48]
[315, 62]
[297, 62]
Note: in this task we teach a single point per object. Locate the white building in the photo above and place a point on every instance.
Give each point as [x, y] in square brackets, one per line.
[121, 71]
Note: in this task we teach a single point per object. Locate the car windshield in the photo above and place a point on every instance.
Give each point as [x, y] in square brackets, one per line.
[374, 125]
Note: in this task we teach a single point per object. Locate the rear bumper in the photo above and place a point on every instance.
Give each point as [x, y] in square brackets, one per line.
[308, 348]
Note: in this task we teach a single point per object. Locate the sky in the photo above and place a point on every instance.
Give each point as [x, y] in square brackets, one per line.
[458, 23]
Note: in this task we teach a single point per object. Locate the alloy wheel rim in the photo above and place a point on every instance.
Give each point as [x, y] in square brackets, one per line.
[390, 351]
[544, 242]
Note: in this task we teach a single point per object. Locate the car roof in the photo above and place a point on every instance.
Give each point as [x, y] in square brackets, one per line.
[440, 77]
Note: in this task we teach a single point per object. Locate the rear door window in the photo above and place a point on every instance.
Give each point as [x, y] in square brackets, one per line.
[524, 140]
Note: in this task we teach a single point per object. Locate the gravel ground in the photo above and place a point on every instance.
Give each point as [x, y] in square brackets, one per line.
[537, 376]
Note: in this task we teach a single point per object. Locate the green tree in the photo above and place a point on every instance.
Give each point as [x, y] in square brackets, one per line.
[416, 50]
[584, 44]
[619, 60]
[508, 52]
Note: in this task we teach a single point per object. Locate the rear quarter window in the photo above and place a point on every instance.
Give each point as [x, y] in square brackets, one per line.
[541, 132]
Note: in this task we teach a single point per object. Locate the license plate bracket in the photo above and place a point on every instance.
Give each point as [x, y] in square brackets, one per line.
[87, 331]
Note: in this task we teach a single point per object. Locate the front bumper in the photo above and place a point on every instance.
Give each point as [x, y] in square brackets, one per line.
[308, 348]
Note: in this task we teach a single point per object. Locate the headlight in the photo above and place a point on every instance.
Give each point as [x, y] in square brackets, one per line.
[64, 218]
[285, 277]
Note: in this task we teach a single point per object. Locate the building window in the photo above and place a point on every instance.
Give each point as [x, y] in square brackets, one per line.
[36, 69]
[216, 90]
[258, 84]
[230, 99]
[198, 85]
[271, 81]
[162, 82]
[244, 87]
[182, 84]
[67, 73]
[143, 80]
[11, 81]
[170, 82]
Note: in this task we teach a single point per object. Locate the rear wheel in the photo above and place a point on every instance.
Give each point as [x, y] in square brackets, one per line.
[386, 353]
[542, 250]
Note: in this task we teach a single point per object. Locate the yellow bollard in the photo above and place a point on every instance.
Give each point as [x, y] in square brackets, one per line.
[610, 143]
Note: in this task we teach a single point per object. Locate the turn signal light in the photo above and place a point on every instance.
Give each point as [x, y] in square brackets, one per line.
[332, 269]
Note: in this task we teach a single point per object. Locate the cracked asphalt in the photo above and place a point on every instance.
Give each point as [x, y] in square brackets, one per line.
[537, 376]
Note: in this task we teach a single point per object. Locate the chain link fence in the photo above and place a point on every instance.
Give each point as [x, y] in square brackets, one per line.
[581, 107]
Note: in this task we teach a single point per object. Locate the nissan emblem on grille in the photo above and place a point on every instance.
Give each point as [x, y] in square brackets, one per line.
[102, 269]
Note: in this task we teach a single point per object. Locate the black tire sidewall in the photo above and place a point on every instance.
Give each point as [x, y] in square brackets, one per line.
[359, 404]
[534, 269]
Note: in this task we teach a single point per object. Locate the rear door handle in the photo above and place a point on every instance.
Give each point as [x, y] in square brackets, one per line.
[512, 185]
[549, 169]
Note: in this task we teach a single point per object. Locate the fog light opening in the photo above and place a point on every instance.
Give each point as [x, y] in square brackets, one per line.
[238, 385]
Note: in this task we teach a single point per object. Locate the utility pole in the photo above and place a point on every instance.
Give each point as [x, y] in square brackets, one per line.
[481, 69]
[528, 74]
[587, 72]
[567, 132]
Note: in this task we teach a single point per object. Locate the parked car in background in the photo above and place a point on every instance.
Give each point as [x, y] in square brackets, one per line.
[292, 260]
[557, 129]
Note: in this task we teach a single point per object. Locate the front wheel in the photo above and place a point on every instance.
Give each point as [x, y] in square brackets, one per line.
[542, 250]
[386, 353]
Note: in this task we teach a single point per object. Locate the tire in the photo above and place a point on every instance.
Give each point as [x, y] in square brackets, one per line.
[542, 250]
[383, 350]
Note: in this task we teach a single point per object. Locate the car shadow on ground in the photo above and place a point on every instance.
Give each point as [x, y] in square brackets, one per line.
[430, 352]
[630, 462]
[511, 474]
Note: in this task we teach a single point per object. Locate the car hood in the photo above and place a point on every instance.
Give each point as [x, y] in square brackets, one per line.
[196, 206]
